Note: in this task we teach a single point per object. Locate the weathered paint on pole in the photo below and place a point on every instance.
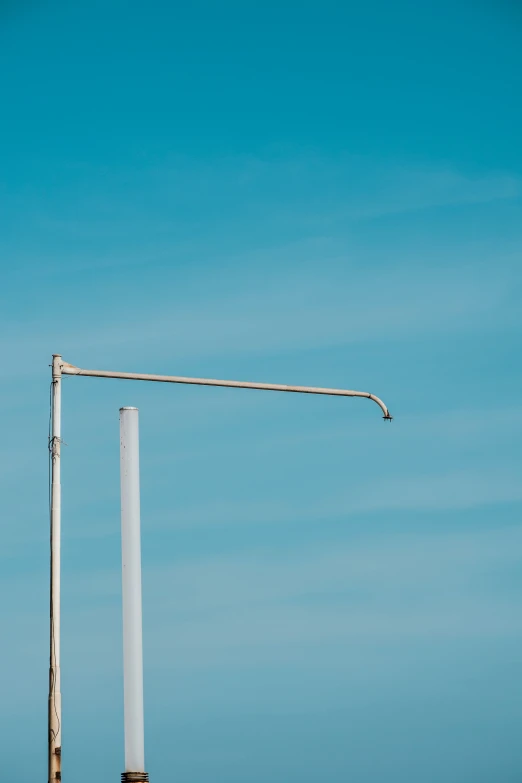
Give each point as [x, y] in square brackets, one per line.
[55, 696]
[131, 594]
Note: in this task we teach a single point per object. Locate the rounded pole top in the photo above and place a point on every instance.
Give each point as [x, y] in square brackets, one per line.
[128, 408]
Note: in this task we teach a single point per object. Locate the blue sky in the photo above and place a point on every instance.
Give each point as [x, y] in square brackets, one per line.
[310, 193]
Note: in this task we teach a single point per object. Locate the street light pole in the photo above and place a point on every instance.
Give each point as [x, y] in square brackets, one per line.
[61, 368]
[55, 696]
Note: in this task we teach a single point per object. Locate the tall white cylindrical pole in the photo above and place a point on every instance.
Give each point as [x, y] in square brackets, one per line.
[131, 584]
[55, 697]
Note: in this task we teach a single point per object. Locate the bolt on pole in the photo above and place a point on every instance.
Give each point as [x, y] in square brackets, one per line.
[131, 595]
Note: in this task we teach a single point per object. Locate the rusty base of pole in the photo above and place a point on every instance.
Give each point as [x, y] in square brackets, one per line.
[134, 777]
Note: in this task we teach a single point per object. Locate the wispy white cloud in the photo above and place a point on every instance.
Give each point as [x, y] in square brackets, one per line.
[401, 189]
[430, 492]
[348, 186]
[455, 490]
[258, 606]
[279, 312]
[274, 300]
[245, 202]
[468, 467]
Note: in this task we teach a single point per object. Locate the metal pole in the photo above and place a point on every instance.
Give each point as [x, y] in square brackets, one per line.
[55, 696]
[131, 593]
[70, 369]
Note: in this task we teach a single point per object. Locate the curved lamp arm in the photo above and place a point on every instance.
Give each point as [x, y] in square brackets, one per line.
[70, 369]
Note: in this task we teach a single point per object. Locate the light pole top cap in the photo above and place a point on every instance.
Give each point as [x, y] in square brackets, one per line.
[128, 408]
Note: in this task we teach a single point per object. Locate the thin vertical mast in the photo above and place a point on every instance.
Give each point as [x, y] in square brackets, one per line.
[131, 594]
[55, 696]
